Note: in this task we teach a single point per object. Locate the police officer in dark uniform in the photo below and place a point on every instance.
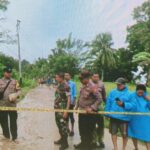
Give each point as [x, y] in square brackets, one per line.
[89, 100]
[10, 90]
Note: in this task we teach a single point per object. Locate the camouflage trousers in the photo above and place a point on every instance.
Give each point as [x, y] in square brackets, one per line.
[61, 124]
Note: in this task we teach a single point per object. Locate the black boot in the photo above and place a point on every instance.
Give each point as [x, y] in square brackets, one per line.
[84, 146]
[59, 142]
[79, 146]
[102, 145]
[64, 144]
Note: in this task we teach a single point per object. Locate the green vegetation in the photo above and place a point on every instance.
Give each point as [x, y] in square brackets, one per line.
[3, 4]
[28, 83]
[101, 55]
[143, 58]
[27, 86]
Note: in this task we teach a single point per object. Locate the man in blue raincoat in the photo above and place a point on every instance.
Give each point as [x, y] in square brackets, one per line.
[115, 101]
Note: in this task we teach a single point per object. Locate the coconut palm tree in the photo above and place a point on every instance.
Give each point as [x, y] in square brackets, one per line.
[101, 54]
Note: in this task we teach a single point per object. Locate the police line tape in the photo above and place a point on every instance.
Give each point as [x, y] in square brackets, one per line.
[22, 109]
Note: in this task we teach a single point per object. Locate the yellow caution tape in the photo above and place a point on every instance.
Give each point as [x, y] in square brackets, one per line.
[70, 111]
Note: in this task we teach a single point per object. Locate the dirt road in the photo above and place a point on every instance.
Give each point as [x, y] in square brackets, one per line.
[37, 130]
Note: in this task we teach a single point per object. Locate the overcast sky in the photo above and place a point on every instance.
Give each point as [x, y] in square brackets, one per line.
[44, 21]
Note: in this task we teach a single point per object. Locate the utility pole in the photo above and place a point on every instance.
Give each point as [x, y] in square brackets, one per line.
[19, 54]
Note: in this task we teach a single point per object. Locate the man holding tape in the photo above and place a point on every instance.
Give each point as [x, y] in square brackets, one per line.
[9, 91]
[99, 129]
[89, 100]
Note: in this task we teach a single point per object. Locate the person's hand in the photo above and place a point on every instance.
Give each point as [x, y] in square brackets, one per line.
[94, 89]
[147, 98]
[120, 103]
[65, 115]
[13, 97]
[76, 108]
[89, 110]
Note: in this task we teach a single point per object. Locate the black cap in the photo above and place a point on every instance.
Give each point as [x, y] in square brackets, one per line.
[120, 81]
[8, 69]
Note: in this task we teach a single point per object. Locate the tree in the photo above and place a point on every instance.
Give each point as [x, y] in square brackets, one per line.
[123, 67]
[142, 13]
[69, 45]
[143, 58]
[139, 34]
[101, 55]
[8, 61]
[64, 63]
[1, 70]
[65, 56]
[5, 35]
[3, 4]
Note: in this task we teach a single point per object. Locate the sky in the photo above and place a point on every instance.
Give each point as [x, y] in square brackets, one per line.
[43, 22]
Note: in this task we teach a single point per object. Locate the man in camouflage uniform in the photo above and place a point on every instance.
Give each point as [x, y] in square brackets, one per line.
[9, 101]
[89, 100]
[62, 101]
[99, 130]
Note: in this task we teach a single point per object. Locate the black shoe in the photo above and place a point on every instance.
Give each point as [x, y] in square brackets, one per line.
[94, 145]
[91, 146]
[71, 133]
[102, 145]
[59, 142]
[64, 145]
[79, 146]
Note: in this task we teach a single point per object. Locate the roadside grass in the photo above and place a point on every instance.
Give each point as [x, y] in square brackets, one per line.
[28, 84]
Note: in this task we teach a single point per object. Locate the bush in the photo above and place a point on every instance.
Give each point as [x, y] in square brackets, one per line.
[29, 83]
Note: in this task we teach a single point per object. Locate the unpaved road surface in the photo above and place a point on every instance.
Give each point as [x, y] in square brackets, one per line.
[37, 130]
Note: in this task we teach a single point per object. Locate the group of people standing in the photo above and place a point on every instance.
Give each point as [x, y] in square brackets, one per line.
[91, 126]
[91, 97]
[134, 126]
[66, 98]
